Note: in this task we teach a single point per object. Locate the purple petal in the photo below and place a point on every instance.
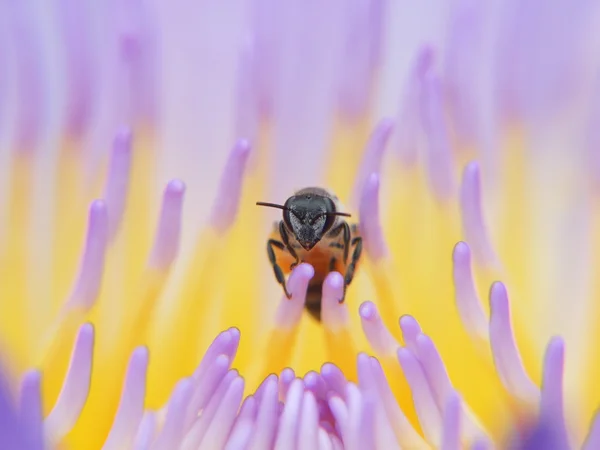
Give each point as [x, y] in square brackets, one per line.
[287, 430]
[117, 181]
[308, 436]
[166, 241]
[410, 330]
[75, 26]
[466, 73]
[504, 349]
[361, 38]
[551, 399]
[89, 279]
[408, 132]
[146, 431]
[379, 337]
[473, 223]
[75, 388]
[30, 84]
[131, 406]
[224, 418]
[451, 423]
[334, 315]
[373, 157]
[30, 409]
[203, 418]
[286, 378]
[427, 410]
[225, 208]
[266, 420]
[592, 441]
[226, 343]
[173, 428]
[406, 435]
[370, 220]
[13, 433]
[289, 311]
[244, 425]
[467, 301]
[438, 154]
[204, 388]
[334, 378]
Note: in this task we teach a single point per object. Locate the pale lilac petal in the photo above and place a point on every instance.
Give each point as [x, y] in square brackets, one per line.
[334, 378]
[373, 157]
[308, 436]
[202, 418]
[410, 330]
[592, 441]
[131, 406]
[334, 314]
[438, 154]
[225, 207]
[117, 181]
[30, 409]
[451, 423]
[289, 311]
[504, 348]
[224, 418]
[226, 344]
[473, 223]
[75, 388]
[89, 279]
[146, 431]
[288, 421]
[166, 241]
[266, 420]
[381, 340]
[370, 220]
[467, 301]
[408, 131]
[427, 410]
[172, 431]
[204, 388]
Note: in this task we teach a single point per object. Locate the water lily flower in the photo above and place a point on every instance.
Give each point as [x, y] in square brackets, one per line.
[461, 137]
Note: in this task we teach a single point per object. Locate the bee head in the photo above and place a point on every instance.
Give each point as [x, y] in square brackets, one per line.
[308, 217]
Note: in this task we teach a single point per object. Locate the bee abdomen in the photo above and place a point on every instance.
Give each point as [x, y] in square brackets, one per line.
[313, 300]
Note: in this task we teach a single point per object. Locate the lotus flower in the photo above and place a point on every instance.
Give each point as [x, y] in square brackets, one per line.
[461, 137]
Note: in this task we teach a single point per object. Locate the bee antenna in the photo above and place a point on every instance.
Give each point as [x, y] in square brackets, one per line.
[272, 205]
[337, 213]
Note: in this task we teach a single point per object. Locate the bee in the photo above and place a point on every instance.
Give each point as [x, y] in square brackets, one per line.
[313, 230]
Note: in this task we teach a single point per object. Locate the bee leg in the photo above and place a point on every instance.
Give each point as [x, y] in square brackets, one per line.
[346, 238]
[332, 264]
[286, 243]
[278, 272]
[357, 242]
